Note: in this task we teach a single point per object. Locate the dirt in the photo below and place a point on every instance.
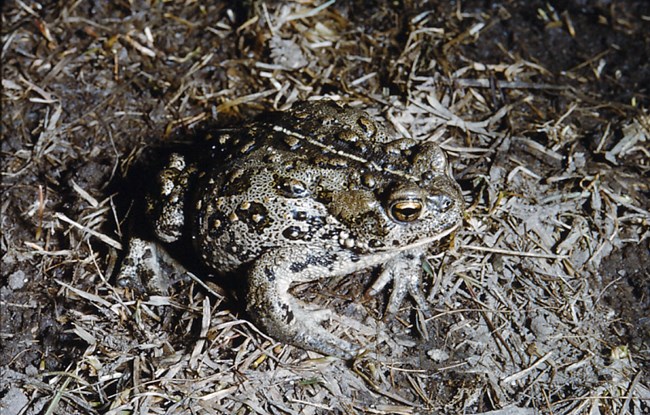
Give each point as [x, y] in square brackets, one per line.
[87, 100]
[625, 274]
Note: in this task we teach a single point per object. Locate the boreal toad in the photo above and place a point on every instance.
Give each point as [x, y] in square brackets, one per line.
[314, 192]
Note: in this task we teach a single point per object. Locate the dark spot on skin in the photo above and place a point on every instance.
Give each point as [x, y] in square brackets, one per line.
[325, 260]
[355, 258]
[146, 275]
[238, 182]
[337, 163]
[316, 222]
[298, 266]
[288, 314]
[216, 224]
[299, 215]
[293, 233]
[320, 161]
[427, 176]
[245, 256]
[272, 158]
[367, 126]
[332, 234]
[325, 197]
[255, 216]
[270, 274]
[375, 243]
[292, 188]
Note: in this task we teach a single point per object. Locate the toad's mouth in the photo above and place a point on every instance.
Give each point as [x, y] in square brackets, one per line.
[425, 241]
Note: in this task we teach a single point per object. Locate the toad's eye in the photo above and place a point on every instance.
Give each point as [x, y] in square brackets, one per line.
[405, 210]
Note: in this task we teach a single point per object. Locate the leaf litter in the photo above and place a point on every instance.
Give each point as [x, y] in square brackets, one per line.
[541, 300]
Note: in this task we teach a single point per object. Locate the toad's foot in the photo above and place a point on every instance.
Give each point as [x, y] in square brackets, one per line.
[405, 272]
[144, 268]
[281, 315]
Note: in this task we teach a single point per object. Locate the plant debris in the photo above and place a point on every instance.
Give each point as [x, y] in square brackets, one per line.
[541, 301]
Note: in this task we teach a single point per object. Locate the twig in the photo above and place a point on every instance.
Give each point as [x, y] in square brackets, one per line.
[529, 369]
[106, 239]
[514, 253]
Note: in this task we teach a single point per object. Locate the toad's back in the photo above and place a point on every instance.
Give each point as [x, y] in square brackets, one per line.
[318, 174]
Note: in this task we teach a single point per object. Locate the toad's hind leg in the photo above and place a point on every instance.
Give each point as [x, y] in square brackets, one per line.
[280, 314]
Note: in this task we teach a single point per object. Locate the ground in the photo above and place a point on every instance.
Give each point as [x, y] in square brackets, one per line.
[541, 300]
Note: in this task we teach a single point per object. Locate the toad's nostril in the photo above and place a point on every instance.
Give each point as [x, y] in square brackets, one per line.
[440, 203]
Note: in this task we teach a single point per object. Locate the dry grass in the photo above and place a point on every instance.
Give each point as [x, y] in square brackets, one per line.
[520, 324]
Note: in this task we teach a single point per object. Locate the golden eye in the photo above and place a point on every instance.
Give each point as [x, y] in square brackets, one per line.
[406, 210]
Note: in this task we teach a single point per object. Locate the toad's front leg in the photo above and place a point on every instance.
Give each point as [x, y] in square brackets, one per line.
[281, 315]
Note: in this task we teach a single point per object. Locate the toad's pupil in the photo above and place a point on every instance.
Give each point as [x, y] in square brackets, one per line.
[406, 211]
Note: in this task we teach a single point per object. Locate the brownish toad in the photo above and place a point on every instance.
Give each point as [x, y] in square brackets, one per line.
[314, 192]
